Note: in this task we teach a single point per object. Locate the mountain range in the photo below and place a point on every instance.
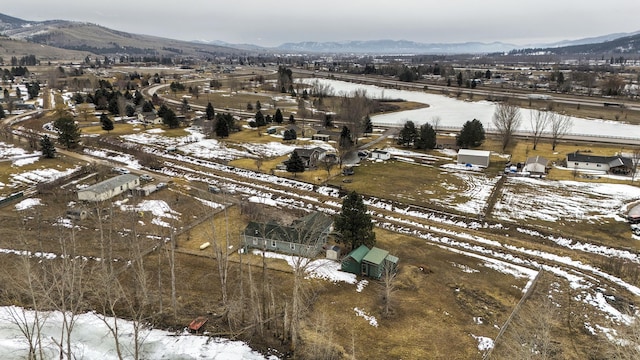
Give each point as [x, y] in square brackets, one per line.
[61, 39]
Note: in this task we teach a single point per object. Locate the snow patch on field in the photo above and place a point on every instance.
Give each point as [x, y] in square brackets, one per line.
[484, 343]
[564, 201]
[28, 203]
[371, 319]
[91, 339]
[316, 269]
[158, 208]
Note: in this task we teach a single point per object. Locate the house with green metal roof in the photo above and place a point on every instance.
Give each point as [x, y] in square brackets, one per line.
[352, 262]
[369, 262]
[305, 237]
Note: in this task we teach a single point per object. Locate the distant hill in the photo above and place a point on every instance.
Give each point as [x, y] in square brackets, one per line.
[588, 40]
[395, 47]
[100, 40]
[623, 45]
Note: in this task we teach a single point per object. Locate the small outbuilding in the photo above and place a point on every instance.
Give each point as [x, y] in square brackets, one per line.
[109, 188]
[380, 154]
[333, 252]
[474, 157]
[369, 262]
[536, 165]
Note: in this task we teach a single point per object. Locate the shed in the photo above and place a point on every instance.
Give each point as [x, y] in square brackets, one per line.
[76, 214]
[536, 165]
[109, 188]
[380, 154]
[333, 252]
[321, 137]
[369, 262]
[474, 157]
[352, 261]
[146, 190]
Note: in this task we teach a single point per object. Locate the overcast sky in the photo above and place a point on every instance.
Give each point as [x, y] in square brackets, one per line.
[271, 23]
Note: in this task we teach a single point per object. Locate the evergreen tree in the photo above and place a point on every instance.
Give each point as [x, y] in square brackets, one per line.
[289, 134]
[345, 138]
[368, 125]
[147, 106]
[278, 117]
[295, 164]
[328, 121]
[68, 131]
[260, 121]
[162, 110]
[222, 127]
[471, 135]
[427, 137]
[408, 134]
[292, 120]
[48, 150]
[258, 105]
[170, 119]
[2, 114]
[107, 124]
[210, 111]
[353, 222]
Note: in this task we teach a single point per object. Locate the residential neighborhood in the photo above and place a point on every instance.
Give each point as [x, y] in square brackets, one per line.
[164, 198]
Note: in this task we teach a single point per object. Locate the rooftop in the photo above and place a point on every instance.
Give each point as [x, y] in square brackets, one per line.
[111, 183]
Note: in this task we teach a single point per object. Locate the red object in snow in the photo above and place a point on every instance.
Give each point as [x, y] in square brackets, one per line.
[197, 323]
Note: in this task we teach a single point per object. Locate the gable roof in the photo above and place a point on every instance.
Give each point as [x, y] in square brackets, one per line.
[308, 152]
[469, 152]
[302, 231]
[375, 256]
[612, 161]
[359, 253]
[537, 160]
[111, 183]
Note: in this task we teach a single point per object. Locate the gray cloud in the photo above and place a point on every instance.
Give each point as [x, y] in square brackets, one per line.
[271, 24]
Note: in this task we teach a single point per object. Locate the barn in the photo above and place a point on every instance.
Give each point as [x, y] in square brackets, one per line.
[474, 157]
[109, 188]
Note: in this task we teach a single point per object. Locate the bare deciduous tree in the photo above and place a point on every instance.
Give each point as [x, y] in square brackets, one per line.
[560, 126]
[389, 273]
[538, 119]
[506, 119]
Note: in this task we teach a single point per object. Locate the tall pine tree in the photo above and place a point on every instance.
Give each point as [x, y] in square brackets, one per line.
[48, 149]
[354, 224]
[295, 164]
[68, 131]
[107, 124]
[210, 112]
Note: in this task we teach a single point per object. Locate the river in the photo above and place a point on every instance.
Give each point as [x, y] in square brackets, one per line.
[454, 113]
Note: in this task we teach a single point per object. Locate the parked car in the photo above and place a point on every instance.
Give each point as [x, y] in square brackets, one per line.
[214, 189]
[348, 171]
[363, 154]
[120, 170]
[146, 177]
[161, 185]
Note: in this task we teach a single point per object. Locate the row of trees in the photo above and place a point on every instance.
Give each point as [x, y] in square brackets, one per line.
[423, 138]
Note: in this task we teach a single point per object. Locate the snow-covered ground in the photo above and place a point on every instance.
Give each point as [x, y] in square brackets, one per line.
[91, 339]
[564, 201]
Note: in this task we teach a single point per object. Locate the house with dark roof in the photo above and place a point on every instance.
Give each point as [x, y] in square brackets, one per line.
[305, 236]
[616, 164]
[369, 262]
[109, 188]
[311, 156]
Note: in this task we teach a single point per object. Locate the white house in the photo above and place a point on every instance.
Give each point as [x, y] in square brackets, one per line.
[474, 157]
[536, 165]
[380, 154]
[614, 164]
[109, 188]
